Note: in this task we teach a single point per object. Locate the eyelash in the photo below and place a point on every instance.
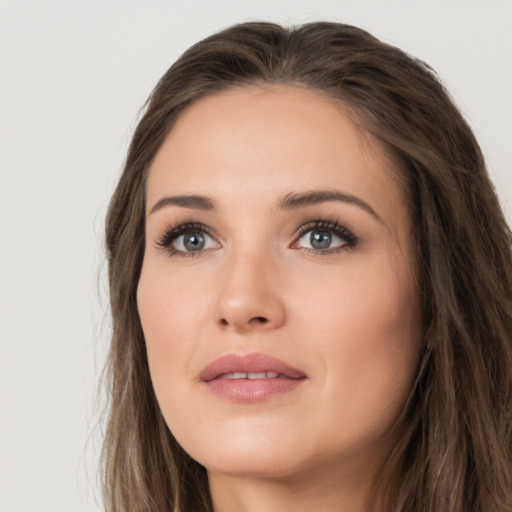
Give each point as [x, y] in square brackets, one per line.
[171, 233]
[332, 226]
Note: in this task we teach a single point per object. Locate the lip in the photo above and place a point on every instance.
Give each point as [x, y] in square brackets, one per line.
[254, 389]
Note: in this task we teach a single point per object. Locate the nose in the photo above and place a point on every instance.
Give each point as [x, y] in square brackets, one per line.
[250, 298]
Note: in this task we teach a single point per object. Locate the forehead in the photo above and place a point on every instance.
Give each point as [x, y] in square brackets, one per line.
[252, 141]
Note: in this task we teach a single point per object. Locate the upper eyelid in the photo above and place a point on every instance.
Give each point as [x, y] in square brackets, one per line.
[328, 225]
[339, 228]
[171, 232]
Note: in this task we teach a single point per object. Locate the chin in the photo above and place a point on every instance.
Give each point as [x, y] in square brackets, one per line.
[258, 456]
[258, 466]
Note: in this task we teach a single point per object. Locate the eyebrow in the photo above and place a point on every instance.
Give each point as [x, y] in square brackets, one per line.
[300, 200]
[289, 202]
[192, 202]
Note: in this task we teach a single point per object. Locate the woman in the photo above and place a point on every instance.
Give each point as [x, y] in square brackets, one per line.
[311, 283]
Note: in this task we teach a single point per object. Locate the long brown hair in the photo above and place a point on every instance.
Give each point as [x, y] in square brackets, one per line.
[454, 449]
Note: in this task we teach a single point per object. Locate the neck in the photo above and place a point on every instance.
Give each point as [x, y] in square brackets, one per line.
[324, 489]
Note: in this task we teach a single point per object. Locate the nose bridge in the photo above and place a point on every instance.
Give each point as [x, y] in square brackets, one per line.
[249, 298]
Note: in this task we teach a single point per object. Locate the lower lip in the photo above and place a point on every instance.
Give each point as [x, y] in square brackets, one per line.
[251, 390]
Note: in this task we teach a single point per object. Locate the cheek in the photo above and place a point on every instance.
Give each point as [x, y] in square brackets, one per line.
[171, 321]
[362, 305]
[365, 324]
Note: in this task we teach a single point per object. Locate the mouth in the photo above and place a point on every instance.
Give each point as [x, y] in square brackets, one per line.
[250, 375]
[249, 378]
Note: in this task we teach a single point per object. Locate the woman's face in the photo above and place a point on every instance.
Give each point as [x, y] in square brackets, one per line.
[277, 294]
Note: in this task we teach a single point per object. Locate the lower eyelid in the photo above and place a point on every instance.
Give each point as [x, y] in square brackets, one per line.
[339, 230]
[336, 228]
[215, 243]
[173, 232]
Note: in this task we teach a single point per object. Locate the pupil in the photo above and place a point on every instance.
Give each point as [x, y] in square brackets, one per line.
[193, 241]
[320, 239]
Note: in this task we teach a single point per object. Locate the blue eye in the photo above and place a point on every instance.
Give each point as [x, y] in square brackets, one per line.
[187, 240]
[193, 241]
[325, 236]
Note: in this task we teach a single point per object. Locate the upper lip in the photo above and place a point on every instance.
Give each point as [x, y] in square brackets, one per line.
[248, 363]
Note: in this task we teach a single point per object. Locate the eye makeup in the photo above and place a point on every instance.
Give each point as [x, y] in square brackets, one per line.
[330, 236]
[167, 241]
[326, 228]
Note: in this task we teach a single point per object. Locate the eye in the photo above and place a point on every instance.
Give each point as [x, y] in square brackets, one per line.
[320, 239]
[194, 241]
[187, 239]
[325, 237]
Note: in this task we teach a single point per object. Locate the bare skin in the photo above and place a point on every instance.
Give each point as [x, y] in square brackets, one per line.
[276, 227]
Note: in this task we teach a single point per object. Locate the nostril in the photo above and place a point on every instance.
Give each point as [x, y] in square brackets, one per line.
[237, 323]
[258, 320]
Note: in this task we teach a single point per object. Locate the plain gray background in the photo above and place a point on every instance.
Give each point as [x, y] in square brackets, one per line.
[73, 75]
